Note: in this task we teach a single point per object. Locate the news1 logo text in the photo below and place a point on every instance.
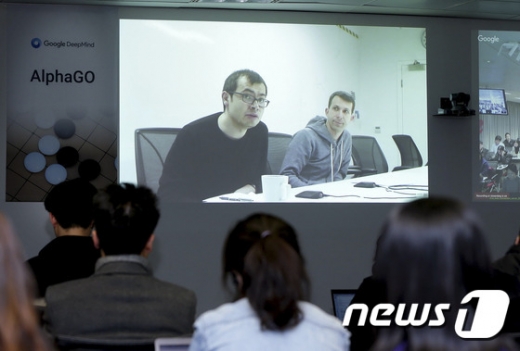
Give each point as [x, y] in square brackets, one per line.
[488, 319]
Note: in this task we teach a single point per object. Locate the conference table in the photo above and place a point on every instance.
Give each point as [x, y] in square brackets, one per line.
[399, 186]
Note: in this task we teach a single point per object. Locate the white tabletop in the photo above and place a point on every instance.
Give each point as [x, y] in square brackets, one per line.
[399, 186]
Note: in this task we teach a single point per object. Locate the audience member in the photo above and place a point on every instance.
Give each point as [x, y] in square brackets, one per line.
[508, 142]
[511, 182]
[321, 152]
[222, 153]
[370, 292]
[121, 300]
[510, 262]
[20, 329]
[262, 257]
[502, 156]
[498, 142]
[432, 251]
[71, 255]
[483, 151]
[485, 169]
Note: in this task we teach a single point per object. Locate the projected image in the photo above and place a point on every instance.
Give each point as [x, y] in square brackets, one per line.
[270, 112]
[499, 116]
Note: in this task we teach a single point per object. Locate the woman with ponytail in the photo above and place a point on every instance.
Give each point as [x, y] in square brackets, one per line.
[262, 259]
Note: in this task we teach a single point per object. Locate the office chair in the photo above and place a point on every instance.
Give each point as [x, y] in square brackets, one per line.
[151, 148]
[410, 154]
[368, 156]
[276, 149]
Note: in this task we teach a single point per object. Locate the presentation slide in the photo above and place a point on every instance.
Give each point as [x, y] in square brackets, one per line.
[61, 101]
[172, 73]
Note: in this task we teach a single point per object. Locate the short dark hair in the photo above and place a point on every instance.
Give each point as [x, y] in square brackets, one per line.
[230, 85]
[343, 95]
[71, 203]
[125, 216]
[498, 137]
[264, 251]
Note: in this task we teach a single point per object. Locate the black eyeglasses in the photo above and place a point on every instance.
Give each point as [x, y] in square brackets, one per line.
[250, 99]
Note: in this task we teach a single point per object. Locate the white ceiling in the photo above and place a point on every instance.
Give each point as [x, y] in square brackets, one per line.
[484, 9]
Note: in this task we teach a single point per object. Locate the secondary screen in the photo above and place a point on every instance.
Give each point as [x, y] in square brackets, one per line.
[499, 121]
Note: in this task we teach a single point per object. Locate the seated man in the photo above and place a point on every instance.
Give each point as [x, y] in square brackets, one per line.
[321, 152]
[516, 147]
[508, 142]
[482, 150]
[496, 145]
[222, 153]
[502, 156]
[511, 182]
[122, 300]
[71, 255]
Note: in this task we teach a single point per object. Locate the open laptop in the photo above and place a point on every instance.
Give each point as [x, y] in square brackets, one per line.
[172, 344]
[341, 299]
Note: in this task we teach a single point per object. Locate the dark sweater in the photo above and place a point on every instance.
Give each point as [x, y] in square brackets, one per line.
[203, 162]
[64, 258]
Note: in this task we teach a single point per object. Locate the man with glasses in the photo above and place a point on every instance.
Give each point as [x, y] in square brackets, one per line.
[222, 153]
[321, 152]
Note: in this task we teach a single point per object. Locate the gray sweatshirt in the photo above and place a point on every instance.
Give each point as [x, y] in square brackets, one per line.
[314, 157]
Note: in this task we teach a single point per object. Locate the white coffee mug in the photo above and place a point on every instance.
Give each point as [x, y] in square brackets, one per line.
[275, 187]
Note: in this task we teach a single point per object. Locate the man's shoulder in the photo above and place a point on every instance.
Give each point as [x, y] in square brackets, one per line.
[50, 251]
[260, 129]
[34, 263]
[346, 137]
[71, 287]
[202, 123]
[173, 288]
[306, 133]
[113, 283]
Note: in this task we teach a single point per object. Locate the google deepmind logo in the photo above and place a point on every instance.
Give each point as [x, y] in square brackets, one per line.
[36, 43]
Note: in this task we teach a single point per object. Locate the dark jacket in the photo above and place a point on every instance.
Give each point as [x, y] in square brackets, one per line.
[120, 301]
[64, 258]
[204, 162]
[510, 262]
[509, 265]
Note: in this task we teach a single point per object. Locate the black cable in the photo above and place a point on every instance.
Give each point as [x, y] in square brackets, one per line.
[390, 188]
[408, 187]
[341, 195]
